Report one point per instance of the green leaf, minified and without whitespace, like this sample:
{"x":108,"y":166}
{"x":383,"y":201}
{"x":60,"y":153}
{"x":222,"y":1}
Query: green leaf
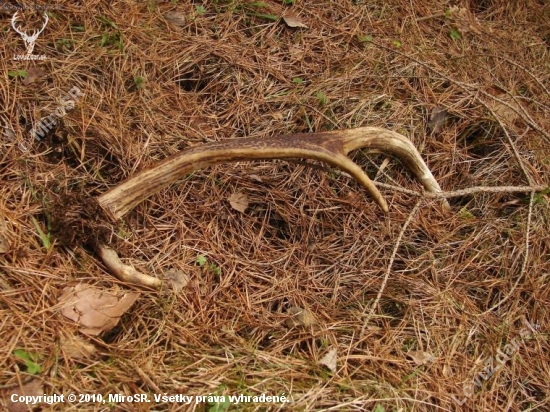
{"x":297,"y":80}
{"x":364,"y":39}
{"x":201,"y":260}
{"x":139,"y":82}
{"x":64,"y":43}
{"x":322,"y":98}
{"x":200,"y":10}
{"x":107,"y":22}
{"x":17,"y":73}
{"x":215,"y":269}
{"x":465,"y":213}
{"x":45,"y":238}
{"x":258,"y":4}
{"x":397,"y":43}
{"x":114,"y":39}
{"x":30,"y":361}
{"x":78,"y":28}
{"x":266,"y":16}
{"x":539,"y":197}
{"x":379,"y":408}
{"x":104,"y":38}
{"x":220,"y":406}
{"x":455,"y":34}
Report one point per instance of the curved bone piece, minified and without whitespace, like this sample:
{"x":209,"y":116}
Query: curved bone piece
{"x":124,"y":272}
{"x":330,"y":147}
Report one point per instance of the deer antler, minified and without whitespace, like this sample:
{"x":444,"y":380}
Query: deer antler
{"x":330,"y":147}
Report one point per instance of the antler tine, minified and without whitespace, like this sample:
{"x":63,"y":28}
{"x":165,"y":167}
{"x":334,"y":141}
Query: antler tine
{"x":330,"y":147}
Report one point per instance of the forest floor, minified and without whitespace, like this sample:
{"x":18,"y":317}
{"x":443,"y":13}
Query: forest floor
{"x":292,"y":282}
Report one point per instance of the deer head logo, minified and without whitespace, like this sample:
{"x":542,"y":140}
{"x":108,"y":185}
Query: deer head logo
{"x":29,"y":40}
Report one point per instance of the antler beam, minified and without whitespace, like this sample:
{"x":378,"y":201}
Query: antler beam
{"x":330,"y":147}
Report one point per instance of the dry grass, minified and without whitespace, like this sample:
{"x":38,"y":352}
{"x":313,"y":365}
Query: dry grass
{"x":459,"y":287}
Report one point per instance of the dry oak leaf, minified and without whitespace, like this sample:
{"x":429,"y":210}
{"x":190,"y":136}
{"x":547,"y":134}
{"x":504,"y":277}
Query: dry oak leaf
{"x":175,"y":17}
{"x":465,"y":20}
{"x":437,"y":119}
{"x":420,"y":358}
{"x":33,"y":74}
{"x":507,"y":108}
{"x":76,"y":348}
{"x":293,"y":21}
{"x":31,"y":388}
{"x":94,"y":309}
{"x":329,"y":360}
{"x":178,"y":279}
{"x":300,"y":316}
{"x":238,"y":201}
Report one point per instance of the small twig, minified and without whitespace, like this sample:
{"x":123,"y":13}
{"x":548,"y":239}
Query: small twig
{"x":390,"y":264}
{"x":466,"y":191}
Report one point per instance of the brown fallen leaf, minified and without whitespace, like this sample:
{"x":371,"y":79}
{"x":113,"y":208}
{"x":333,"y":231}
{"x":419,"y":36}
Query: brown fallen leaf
{"x":9,"y":133}
{"x":76,"y":348}
{"x":465,"y":20}
{"x":256,"y":178}
{"x":177,"y":278}
{"x":329,"y":360}
{"x":33,"y":74}
{"x":300,"y":317}
{"x":420,"y":358}
{"x":239,"y":201}
{"x":437,"y":119}
{"x":175,"y":17}
{"x":505,"y":108}
{"x":293,"y":21}
{"x":31,"y":388}
{"x":278,"y":116}
{"x":94,"y":309}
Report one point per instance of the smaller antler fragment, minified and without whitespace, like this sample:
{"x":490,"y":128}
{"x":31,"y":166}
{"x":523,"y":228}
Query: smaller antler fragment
{"x":124,"y":272}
